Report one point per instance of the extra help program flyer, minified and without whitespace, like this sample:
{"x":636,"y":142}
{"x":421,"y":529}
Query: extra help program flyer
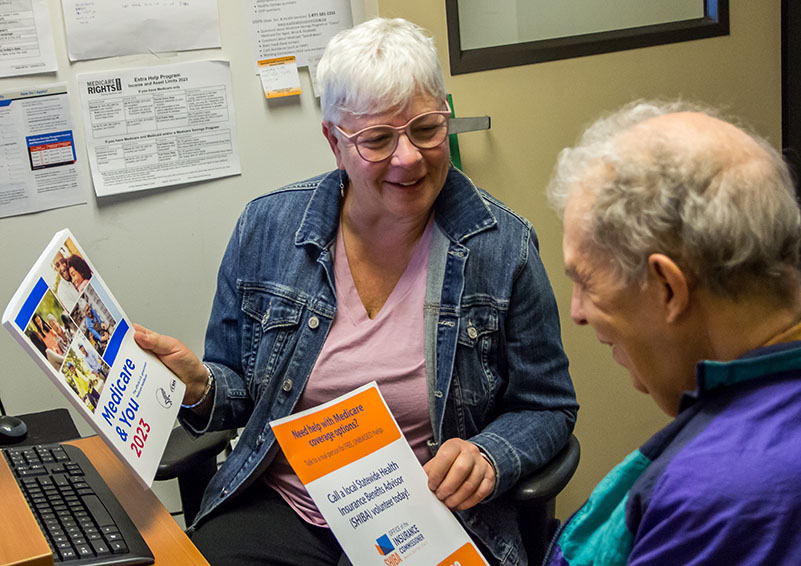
{"x":361,"y":473}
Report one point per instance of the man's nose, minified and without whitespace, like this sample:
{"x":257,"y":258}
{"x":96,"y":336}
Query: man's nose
{"x":577,"y":306}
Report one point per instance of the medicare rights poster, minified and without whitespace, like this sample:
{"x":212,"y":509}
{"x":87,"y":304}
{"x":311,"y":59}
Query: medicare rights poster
{"x":159,"y":126}
{"x":369,"y":486}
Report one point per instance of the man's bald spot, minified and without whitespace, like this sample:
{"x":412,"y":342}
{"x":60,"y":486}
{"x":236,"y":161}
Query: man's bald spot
{"x":696,"y":135}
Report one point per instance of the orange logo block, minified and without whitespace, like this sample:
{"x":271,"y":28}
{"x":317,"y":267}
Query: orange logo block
{"x":466,"y":555}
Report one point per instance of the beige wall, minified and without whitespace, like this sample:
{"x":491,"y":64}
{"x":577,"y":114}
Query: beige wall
{"x":538,"y":109}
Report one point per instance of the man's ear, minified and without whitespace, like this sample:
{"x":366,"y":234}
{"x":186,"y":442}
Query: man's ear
{"x":333,"y":141}
{"x":673,"y":283}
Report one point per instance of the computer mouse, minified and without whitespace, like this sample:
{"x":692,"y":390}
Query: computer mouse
{"x":12,"y":429}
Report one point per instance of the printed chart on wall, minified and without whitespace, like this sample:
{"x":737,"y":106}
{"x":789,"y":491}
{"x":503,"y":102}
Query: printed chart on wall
{"x":298,"y":28}
{"x":159,"y":126}
{"x":109,"y":28}
{"x":366,"y":481}
{"x":38,"y":167}
{"x":26,"y":42}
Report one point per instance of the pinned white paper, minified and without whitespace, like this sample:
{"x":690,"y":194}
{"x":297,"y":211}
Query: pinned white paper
{"x":314,"y":60}
{"x":110,"y":28}
{"x":296,"y":27}
{"x":27,"y":45}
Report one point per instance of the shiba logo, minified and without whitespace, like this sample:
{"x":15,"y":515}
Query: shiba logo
{"x":384,"y":545}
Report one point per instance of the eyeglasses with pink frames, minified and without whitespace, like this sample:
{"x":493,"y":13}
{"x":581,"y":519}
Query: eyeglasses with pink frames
{"x":377,"y":143}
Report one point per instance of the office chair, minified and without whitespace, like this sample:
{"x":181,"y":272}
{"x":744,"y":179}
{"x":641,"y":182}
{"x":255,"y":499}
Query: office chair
{"x":194,"y":461}
{"x":535,"y":496}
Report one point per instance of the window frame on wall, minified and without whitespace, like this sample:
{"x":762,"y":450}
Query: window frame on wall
{"x":715,"y":22}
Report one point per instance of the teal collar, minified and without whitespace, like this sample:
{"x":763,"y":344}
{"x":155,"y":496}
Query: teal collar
{"x":712,"y":374}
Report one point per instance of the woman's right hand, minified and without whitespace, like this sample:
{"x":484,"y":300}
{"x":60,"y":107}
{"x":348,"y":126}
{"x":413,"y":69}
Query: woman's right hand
{"x":178,"y":358}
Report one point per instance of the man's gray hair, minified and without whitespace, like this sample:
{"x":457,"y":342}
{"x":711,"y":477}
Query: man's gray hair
{"x":732,"y":224}
{"x":379,"y":65}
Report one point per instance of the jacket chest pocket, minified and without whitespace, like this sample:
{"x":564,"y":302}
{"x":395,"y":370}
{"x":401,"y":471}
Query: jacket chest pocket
{"x":476,"y":353}
{"x":270,"y":324}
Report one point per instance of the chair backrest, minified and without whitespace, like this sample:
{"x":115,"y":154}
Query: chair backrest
{"x":193,"y":461}
{"x":535,"y":496}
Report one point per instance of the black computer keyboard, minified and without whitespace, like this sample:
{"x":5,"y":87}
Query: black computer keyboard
{"x":80,"y":517}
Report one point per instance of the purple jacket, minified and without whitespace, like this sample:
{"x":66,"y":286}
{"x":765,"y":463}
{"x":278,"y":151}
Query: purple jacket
{"x":720,"y":485}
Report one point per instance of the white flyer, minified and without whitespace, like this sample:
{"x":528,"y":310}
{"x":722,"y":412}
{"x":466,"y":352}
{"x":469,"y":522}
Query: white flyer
{"x":109,"y":28}
{"x":65,"y":317}
{"x":314,"y":60}
{"x":26,"y":40}
{"x":38,"y":164}
{"x":294,"y":27}
{"x":364,"y":478}
{"x":159,"y":126}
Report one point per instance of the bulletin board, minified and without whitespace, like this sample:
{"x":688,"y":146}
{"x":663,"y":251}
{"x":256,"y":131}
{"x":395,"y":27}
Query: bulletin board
{"x":158,"y":249}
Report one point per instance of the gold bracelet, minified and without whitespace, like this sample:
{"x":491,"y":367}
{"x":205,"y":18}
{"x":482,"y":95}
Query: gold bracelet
{"x":209,"y":383}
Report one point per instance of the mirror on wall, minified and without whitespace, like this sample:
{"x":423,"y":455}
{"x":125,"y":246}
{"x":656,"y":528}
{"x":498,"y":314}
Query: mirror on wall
{"x":503,"y":33}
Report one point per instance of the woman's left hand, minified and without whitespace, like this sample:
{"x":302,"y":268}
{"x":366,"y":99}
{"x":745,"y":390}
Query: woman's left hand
{"x":459,"y":475}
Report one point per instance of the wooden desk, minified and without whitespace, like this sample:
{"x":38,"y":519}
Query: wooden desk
{"x":168,"y":543}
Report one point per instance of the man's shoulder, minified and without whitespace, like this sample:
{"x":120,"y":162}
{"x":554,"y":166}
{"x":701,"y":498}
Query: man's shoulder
{"x":742,"y":439}
{"x":729,"y":495}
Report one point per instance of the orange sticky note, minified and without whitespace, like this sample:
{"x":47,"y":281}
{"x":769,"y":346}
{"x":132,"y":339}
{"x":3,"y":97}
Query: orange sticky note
{"x":279,"y":77}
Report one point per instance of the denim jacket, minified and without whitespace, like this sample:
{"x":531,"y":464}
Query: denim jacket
{"x":497,"y":374}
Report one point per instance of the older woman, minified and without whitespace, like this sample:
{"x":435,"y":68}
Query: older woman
{"x":394,"y":268}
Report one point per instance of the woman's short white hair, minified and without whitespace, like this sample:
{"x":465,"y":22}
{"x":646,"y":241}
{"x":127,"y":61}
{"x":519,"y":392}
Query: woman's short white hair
{"x":379,"y":65}
{"x":733,"y":228}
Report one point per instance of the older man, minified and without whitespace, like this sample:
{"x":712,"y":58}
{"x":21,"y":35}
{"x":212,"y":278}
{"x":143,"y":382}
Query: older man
{"x":682,"y":236}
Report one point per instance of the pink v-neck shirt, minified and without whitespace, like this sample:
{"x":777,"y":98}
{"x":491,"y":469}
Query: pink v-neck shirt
{"x":387,"y":349}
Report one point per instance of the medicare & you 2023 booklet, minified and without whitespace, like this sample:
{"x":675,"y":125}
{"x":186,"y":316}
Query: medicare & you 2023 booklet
{"x":67,"y":320}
